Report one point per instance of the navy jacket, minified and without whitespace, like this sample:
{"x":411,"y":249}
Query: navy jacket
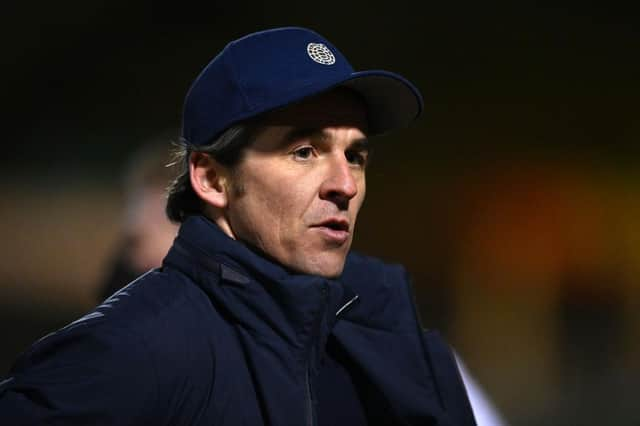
{"x":222,"y":336}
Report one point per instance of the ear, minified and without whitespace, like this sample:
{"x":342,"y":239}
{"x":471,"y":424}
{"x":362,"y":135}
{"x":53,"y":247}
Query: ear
{"x":208,"y":179}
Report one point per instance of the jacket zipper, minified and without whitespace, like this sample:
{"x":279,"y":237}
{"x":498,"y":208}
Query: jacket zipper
{"x":311,"y":418}
{"x":346,"y":305}
{"x":310,"y":415}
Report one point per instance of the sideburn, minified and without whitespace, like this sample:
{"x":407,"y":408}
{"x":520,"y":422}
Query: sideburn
{"x":236,"y":187}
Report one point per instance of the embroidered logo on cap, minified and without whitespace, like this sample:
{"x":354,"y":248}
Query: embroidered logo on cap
{"x":320,"y":54}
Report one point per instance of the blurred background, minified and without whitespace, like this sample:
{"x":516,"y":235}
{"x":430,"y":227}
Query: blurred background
{"x":514,"y":201}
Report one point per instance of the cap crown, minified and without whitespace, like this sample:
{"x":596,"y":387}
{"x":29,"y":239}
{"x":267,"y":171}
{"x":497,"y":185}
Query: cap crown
{"x":257,"y":73}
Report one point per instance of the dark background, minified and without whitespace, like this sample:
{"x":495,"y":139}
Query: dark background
{"x":514,"y":200}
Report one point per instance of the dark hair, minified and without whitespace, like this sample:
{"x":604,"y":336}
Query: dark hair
{"x":227,"y":149}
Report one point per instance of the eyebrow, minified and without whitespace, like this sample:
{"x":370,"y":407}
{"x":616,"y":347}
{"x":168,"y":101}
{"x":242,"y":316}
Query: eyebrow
{"x":320,"y":135}
{"x":298,"y":133}
{"x":361,"y":145}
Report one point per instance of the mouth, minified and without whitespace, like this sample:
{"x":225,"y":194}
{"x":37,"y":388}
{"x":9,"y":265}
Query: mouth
{"x":336,"y":224}
{"x":335,"y":230}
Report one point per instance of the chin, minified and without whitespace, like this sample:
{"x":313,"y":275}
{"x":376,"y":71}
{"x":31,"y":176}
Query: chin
{"x":331,"y":274}
{"x":326,"y":268}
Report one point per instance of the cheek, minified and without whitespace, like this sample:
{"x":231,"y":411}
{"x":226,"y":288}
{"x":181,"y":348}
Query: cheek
{"x":286,"y":209}
{"x":266,"y":209}
{"x":286,"y":197}
{"x":358,"y":200}
{"x":276,"y":208}
{"x":362,"y":191}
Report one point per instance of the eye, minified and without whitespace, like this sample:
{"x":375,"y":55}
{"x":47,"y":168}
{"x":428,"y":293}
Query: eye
{"x":303,"y":153}
{"x":358,"y":158}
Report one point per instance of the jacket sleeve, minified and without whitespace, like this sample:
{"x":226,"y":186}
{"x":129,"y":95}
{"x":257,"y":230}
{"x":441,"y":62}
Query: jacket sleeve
{"x":81,"y":375}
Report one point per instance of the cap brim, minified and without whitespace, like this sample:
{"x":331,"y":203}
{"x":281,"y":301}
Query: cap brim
{"x":392,"y":101}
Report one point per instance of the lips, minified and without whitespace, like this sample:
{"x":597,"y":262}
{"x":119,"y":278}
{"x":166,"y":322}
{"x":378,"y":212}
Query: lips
{"x":335,"y":230}
{"x":337,"y":224}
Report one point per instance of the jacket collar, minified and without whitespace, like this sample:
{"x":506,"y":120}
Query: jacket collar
{"x":258,"y":293}
{"x":382,"y":335}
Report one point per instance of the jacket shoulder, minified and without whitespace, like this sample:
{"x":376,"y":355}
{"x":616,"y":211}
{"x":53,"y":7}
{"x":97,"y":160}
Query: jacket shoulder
{"x":131,"y":355}
{"x":157,"y":306}
{"x":166,"y":311}
{"x":79,"y":375}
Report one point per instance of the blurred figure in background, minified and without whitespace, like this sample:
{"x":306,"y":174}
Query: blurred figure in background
{"x":146,"y":232}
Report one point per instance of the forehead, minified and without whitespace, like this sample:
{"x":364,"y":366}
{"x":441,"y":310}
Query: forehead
{"x":336,"y":108}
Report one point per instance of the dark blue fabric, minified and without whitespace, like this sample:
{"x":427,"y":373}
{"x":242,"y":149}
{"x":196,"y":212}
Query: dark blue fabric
{"x":222,"y":336}
{"x":270,"y":69}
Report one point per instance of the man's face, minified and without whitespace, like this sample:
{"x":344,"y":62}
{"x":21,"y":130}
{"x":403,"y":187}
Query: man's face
{"x":298,"y":189}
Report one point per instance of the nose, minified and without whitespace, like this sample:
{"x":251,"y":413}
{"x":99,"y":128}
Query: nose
{"x":340,"y":184}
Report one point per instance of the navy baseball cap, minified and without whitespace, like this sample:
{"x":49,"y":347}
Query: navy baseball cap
{"x":271,"y":69}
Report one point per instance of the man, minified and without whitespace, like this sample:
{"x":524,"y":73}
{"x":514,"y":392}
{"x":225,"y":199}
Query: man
{"x":259,"y":314}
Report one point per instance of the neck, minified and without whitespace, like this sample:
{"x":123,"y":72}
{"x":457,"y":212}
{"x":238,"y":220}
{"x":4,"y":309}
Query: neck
{"x":217,"y":217}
